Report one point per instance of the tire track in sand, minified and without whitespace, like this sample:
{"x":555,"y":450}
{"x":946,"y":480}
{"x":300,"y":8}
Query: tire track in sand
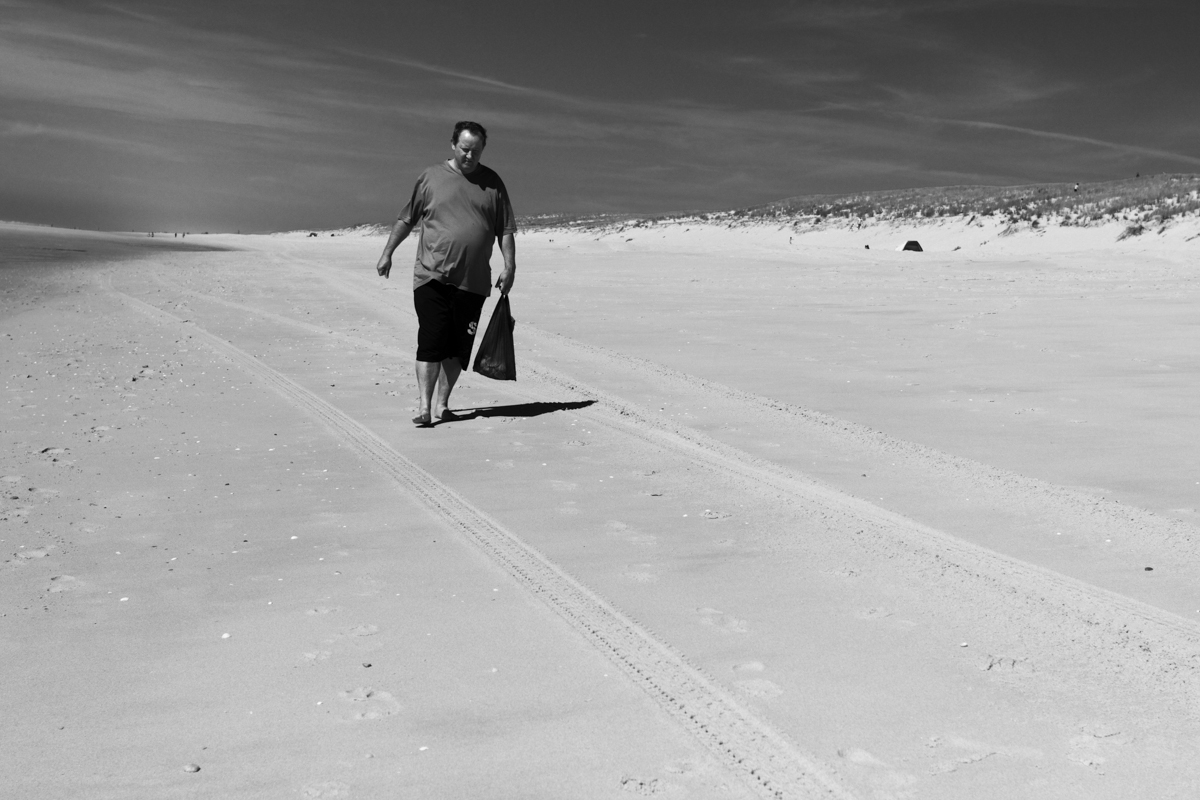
{"x":744,"y":744}
{"x":1102,"y":517}
{"x":1109,"y":632}
{"x":1105,"y":516}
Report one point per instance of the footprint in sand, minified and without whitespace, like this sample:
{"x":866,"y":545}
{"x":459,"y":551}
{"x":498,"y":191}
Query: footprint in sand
{"x":12,"y":479}
{"x":370,"y":586}
{"x":1003,"y":665}
{"x":722,"y":621}
{"x":759,"y":687}
{"x":858,"y":756}
{"x":1095,"y":745}
{"x":886,"y":780}
{"x":99,"y":433}
{"x":325,"y":790}
{"x":320,"y":611}
{"x":884,"y":616}
{"x":969,"y":752}
{"x":39,"y":552}
{"x":18,"y":511}
{"x":644,"y":787}
{"x":750,"y":666}
{"x":631,"y":535}
{"x":65,"y":583}
{"x":641,"y":573}
{"x":682,"y":767}
{"x":364,"y":630}
{"x":370,"y":704}
{"x":873,"y":613}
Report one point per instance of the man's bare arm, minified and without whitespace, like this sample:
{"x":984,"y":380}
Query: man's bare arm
{"x":399,"y":233}
{"x":508,"y":248}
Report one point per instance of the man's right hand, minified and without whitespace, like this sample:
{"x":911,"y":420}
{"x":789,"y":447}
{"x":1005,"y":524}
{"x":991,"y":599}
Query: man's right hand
{"x":399,"y":233}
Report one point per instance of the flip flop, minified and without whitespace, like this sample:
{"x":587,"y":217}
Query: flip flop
{"x":448,"y":416}
{"x":423,"y":421}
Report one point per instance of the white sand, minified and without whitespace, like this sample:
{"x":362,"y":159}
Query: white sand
{"x":758,"y":516}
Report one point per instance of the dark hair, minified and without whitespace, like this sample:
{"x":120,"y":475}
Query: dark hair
{"x":473,"y":128}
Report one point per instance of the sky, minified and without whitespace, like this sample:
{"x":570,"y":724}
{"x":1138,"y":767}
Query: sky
{"x":261,"y":115}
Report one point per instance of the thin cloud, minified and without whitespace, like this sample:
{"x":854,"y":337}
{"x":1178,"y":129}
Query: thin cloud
{"x":761,"y":68}
{"x":26,"y":130}
{"x":1068,"y":137}
{"x":478,"y":81}
{"x":161,"y":73}
{"x":154,"y":93}
{"x":885,"y":55}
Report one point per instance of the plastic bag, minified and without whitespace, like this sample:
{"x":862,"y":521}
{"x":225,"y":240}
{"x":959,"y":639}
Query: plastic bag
{"x":496,"y":357}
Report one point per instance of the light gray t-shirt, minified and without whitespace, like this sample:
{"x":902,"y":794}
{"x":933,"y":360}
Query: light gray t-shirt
{"x":460,"y":217}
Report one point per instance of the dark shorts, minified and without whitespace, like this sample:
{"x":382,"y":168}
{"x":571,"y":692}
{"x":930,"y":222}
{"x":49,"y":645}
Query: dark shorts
{"x":447,"y":318}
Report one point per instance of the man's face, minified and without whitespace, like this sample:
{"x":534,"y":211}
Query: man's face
{"x":467,"y":151}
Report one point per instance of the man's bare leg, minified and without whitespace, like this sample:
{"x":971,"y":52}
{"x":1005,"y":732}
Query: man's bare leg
{"x":427,"y":379}
{"x":451,"y":369}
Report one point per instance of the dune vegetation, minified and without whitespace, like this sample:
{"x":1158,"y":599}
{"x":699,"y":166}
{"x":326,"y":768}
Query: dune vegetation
{"x":1144,"y":203}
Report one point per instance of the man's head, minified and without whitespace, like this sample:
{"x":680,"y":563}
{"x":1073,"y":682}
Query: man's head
{"x":466,"y":145}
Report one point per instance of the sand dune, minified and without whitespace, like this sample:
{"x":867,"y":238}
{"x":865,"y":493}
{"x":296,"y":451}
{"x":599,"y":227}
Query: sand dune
{"x":767,"y":514}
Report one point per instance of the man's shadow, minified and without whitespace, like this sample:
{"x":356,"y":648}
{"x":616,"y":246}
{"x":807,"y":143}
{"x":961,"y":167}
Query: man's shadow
{"x":517,"y":410}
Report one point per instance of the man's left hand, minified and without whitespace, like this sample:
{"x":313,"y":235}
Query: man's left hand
{"x":505,"y":281}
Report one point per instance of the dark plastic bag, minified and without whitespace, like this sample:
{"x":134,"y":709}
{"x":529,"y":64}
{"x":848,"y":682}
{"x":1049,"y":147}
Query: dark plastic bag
{"x":496,"y":357}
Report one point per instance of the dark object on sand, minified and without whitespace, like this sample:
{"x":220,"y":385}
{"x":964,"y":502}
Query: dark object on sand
{"x":497,"y":357}
{"x":913,"y":245}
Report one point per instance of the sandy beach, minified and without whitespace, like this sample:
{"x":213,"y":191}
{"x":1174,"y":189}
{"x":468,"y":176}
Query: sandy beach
{"x":766,"y":514}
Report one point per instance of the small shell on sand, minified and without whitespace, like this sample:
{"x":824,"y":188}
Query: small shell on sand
{"x":191,"y":767}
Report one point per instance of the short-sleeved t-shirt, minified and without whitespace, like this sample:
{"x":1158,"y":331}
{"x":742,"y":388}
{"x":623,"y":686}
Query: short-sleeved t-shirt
{"x":460,"y":217}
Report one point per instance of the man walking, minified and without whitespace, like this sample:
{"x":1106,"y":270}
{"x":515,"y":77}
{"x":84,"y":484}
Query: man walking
{"x":461,"y":208}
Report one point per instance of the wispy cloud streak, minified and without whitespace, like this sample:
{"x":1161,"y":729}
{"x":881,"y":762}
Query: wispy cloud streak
{"x":1068,"y":137}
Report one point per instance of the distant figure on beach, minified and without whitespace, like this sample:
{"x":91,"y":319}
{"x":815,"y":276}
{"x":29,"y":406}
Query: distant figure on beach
{"x":1077,"y":187}
{"x":461,"y":208}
